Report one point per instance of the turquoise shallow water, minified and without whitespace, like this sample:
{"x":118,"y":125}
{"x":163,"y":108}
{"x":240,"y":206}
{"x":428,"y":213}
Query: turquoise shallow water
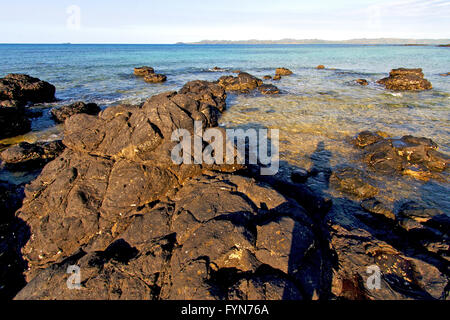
{"x":316,"y":107}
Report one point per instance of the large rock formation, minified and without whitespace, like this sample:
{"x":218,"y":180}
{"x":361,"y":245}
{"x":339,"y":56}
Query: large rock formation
{"x":62,"y":113}
{"x":16,"y":90}
{"x":406,"y":80}
{"x":23,"y":88}
{"x":142,"y":227}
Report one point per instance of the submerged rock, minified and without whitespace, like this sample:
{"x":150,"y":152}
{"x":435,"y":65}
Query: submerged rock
{"x":353,"y":181}
{"x":406,"y":80}
{"x":277,"y":77}
{"x":362,"y":82}
{"x":283,"y":72}
{"x":417,"y":157}
{"x":268,"y":89}
{"x":61,"y":114}
{"x":26,"y":155}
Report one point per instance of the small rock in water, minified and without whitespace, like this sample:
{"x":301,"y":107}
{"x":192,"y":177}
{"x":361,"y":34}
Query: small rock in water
{"x":283,"y":72}
{"x":376,"y":207}
{"x":268,"y":89}
{"x":243,"y":83}
{"x":320,"y":67}
{"x":143,"y":71}
{"x":362,"y":82}
{"x":299,"y":175}
{"x":155,"y":78}
{"x":353,"y":181}
{"x":445,"y":74}
{"x":403,"y":79}
{"x":277,"y":77}
{"x":267,"y":77}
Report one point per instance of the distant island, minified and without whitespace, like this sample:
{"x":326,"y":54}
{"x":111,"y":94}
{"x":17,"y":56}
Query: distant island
{"x":380,"y":41}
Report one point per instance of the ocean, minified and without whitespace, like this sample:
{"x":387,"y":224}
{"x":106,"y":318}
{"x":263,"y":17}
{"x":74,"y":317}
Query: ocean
{"x":317,"y":112}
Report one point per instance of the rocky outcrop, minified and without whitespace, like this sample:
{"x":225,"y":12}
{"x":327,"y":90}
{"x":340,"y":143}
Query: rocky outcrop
{"x":16,"y":90}
{"x":268,"y":89}
{"x":245,"y":83}
{"x":30,"y":155}
{"x":406,"y":80}
{"x":155,"y":78}
{"x":23,"y":88}
{"x":62,"y":113}
{"x":417,"y":157}
{"x":283,"y":72}
{"x":143,"y":71}
{"x":149,"y":75}
{"x":142,"y":227}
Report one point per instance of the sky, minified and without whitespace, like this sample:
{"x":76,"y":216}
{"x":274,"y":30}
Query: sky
{"x":170,"y":21}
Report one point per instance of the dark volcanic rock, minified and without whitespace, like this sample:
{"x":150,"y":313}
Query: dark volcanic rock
{"x":353,"y":181}
{"x":155,"y":78}
{"x":268,"y":89}
{"x":13,"y":121}
{"x":376,"y":207}
{"x":24,"y":88}
{"x":406,"y":80}
{"x":244,"y":82}
{"x":28,"y":155}
{"x":16,"y":90}
{"x":142,"y":227}
{"x":283,"y":72}
{"x":362,"y":82}
{"x":277,"y":77}
{"x":143,"y":71}
{"x":62,"y":113}
{"x":417,"y":157}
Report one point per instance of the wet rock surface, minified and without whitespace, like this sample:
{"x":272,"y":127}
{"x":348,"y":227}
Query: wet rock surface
{"x":414,"y":156}
{"x":403,"y":79}
{"x":62,"y":113}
